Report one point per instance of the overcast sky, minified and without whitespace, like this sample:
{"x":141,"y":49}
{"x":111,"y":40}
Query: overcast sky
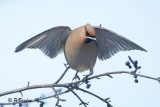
{"x":137,"y":20}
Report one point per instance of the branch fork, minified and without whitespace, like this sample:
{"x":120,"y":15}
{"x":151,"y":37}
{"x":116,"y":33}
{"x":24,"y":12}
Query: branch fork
{"x":75,"y":85}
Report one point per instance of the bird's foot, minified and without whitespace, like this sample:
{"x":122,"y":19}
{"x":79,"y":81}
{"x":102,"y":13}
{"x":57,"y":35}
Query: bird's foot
{"x":66,"y":65}
{"x":85,"y":79}
{"x":76,"y":76}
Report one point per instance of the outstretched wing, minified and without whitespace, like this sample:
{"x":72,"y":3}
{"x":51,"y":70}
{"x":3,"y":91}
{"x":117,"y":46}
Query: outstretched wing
{"x":109,"y":43}
{"x":51,"y":42}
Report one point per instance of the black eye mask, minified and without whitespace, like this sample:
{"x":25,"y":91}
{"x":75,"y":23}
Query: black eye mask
{"x":87,"y":40}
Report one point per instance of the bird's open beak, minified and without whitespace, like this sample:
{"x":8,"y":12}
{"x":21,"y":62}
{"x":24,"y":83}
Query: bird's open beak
{"x":92,"y":38}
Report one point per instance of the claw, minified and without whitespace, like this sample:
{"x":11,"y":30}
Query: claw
{"x":86,"y":76}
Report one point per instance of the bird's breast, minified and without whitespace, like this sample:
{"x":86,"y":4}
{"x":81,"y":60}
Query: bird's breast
{"x":80,"y":56}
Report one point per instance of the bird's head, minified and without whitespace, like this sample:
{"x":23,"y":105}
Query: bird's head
{"x":89,"y":34}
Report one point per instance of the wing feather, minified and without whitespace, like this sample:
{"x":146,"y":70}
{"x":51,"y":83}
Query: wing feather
{"x":51,"y":42}
{"x":109,"y":43}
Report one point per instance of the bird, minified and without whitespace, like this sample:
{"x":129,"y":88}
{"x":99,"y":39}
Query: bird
{"x":81,"y":46}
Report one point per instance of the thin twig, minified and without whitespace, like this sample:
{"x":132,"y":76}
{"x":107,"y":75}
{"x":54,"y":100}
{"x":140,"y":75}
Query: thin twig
{"x":69,"y":84}
{"x":82,"y":102}
{"x":62,"y":75}
{"x":21,"y":93}
{"x":58,"y":99}
{"x":123,"y":72}
{"x":40,"y":99}
{"x":73,"y":83}
{"x":28,"y":84}
{"x":95,"y":96}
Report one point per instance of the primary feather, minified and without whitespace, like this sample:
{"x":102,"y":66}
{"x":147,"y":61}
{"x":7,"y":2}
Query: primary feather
{"x":51,"y":42}
{"x":109,"y":43}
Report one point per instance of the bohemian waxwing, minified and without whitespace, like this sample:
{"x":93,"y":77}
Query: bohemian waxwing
{"x":81,"y":46}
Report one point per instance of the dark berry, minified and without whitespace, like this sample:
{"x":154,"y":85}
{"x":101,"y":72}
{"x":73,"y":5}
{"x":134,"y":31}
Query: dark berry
{"x":42,"y":103}
{"x":108,"y":105}
{"x":127,"y":63}
{"x":20,"y":104}
{"x":135,"y":63}
{"x":88,"y":86}
{"x":136,"y":80}
{"x":130,"y":66}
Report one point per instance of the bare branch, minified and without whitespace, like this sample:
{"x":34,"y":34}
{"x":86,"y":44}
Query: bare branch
{"x":62,"y":75}
{"x":73,"y":85}
{"x":104,"y":100}
{"x":21,"y":93}
{"x":82,"y":102}
{"x":58,"y":99}
{"x":34,"y":100}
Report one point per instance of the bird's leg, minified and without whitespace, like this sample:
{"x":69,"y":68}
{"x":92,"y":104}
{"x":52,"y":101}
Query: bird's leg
{"x":76,"y":76}
{"x":90,"y":73}
{"x":86,"y":76}
{"x":66,"y":65}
